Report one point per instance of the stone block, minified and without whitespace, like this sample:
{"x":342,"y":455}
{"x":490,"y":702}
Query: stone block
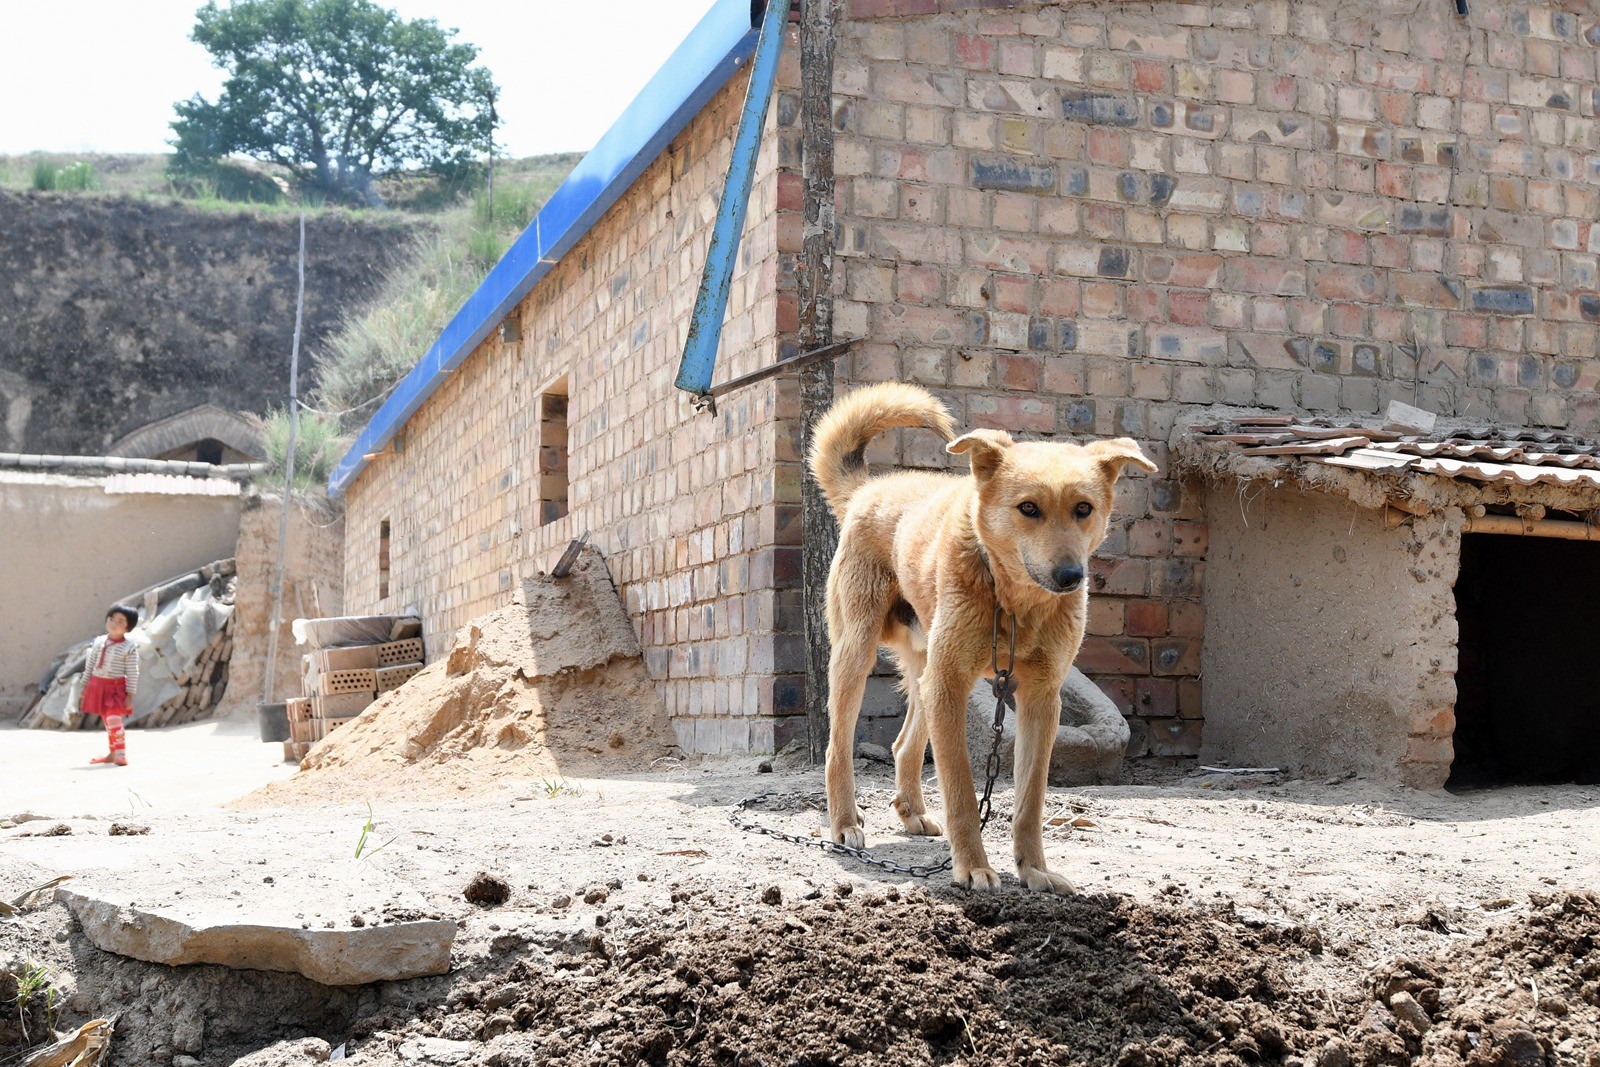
{"x":1089,"y":744}
{"x":203,"y":929}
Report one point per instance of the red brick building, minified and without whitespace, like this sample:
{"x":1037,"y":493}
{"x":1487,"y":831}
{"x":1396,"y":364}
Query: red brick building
{"x":1068,"y":219}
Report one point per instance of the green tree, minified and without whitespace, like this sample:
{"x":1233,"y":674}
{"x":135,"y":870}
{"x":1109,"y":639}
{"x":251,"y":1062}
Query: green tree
{"x":337,"y":91}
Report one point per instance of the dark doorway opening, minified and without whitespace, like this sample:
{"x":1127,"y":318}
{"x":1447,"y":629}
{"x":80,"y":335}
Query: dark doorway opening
{"x":1527,"y":677}
{"x":206,"y":450}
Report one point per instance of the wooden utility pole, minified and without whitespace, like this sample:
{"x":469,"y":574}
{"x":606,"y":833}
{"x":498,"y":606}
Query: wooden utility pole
{"x":814,"y":274}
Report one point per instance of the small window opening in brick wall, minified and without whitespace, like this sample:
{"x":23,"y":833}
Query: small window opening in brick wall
{"x":1527,"y":709}
{"x":383,"y":559}
{"x":553,"y":487}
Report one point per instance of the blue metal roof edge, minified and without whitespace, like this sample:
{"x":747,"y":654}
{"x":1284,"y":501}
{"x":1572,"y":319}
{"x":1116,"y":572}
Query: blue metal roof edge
{"x":700,"y":66}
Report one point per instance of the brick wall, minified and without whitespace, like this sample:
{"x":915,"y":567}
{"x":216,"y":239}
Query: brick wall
{"x":1082,"y":219}
{"x":692,"y":512}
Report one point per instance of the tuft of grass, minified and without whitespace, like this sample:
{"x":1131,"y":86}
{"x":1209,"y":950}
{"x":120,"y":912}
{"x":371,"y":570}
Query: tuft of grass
{"x":361,"y":842}
{"x":559,"y":787}
{"x":317,"y":447}
{"x":32,"y":983}
{"x":76,"y":177}
{"x":44,"y":175}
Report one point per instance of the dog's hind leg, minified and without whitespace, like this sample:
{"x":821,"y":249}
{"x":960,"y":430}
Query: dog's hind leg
{"x":1038,"y":716}
{"x":850,"y":663}
{"x":910,"y":748}
{"x":854,"y":608}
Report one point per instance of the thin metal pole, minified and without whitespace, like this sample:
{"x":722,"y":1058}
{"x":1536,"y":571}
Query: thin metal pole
{"x":819,"y":534}
{"x":288,"y":477}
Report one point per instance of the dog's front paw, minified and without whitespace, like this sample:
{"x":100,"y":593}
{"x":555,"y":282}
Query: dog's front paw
{"x":850,"y":836}
{"x":1042,"y":881}
{"x":977,"y":879}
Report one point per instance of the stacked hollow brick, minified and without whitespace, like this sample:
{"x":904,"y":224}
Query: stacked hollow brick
{"x":1068,"y":220}
{"x":339,"y":684}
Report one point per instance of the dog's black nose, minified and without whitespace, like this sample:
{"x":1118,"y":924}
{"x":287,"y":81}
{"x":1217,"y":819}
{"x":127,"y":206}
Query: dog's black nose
{"x":1068,"y":577}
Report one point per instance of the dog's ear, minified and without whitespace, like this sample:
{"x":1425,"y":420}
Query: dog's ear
{"x":987,"y":447}
{"x":1117,"y":453}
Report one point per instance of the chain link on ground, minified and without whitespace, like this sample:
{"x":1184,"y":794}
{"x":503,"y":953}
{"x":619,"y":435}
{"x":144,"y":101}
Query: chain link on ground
{"x":1005,"y":689}
{"x":818,"y":802}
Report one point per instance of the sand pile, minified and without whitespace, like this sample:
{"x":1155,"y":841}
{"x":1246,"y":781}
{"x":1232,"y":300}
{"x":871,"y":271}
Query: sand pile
{"x":550,"y":685}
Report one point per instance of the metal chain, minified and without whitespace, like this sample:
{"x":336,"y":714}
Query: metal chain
{"x":915,"y":870}
{"x":1005,"y":690}
{"x":1005,"y":694}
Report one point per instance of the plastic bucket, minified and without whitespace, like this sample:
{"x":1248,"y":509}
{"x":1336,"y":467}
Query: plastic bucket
{"x":274,"y":721}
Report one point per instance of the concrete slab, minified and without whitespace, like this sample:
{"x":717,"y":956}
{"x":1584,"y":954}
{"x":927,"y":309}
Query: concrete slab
{"x":199,"y":931}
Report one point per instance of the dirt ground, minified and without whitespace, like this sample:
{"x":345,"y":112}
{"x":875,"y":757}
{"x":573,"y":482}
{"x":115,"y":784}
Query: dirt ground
{"x":1281,"y":922}
{"x":179,"y":768}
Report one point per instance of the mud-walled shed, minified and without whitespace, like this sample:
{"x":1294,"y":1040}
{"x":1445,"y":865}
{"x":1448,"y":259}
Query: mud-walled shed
{"x":1410,"y":607}
{"x":1071,"y":219}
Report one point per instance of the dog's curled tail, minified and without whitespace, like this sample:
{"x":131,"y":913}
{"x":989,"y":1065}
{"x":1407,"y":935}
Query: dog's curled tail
{"x":838,"y":450}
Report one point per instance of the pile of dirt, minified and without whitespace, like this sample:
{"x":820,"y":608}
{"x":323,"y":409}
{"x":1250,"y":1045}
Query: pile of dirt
{"x":941,"y":977}
{"x":550,"y":685}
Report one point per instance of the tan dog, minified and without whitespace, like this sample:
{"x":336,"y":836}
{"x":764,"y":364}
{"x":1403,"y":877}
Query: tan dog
{"x":923,"y":559}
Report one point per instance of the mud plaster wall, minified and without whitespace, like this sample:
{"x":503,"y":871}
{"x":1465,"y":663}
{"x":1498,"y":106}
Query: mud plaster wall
{"x":696,"y":515}
{"x":68,"y":549}
{"x":1330,"y":642}
{"x":313,"y":586}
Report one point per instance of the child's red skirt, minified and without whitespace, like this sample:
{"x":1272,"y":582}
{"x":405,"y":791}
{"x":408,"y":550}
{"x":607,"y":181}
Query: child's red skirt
{"x":106,"y":696}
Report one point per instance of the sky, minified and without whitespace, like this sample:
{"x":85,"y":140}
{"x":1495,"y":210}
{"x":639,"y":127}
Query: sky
{"x":102,"y":75}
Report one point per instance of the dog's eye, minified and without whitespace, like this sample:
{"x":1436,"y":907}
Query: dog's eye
{"x":1029,"y":508}
{"x":1083,"y":510}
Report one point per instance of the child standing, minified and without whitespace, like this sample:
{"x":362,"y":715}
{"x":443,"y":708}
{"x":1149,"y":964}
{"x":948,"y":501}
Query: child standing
{"x":113,"y":669}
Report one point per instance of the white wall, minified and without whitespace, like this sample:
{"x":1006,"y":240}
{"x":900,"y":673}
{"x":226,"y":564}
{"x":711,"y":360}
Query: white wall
{"x":69,"y":549}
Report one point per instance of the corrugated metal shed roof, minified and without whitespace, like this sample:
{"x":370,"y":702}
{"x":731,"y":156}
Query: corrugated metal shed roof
{"x":170,"y":485}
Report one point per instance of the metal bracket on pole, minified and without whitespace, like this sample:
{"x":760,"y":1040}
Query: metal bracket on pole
{"x":711,"y":304}
{"x":804,"y":359}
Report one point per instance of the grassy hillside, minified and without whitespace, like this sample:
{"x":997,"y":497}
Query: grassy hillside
{"x":364,"y":362}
